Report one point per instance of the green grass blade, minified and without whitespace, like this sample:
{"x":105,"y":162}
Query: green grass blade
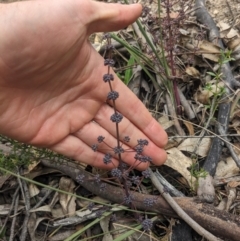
{"x":78,"y":233}
{"x":129,"y":72}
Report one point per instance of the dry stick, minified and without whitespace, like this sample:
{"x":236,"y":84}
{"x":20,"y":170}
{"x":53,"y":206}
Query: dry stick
{"x":11,"y":208}
{"x":216,"y":221}
{"x":26,"y":197}
{"x":187,"y":108}
{"x":172,"y":113}
{"x":42,"y":200}
{"x":201,"y":136}
{"x":224,"y":108}
{"x":171,"y":189}
{"x":183,"y":215}
{"x":11,"y":238}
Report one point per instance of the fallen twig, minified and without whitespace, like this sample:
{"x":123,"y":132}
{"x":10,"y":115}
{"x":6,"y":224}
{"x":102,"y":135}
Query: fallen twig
{"x":215,"y":151}
{"x":26,"y":196}
{"x":171,"y":189}
{"x":10,"y":210}
{"x":183,"y":215}
{"x":12,"y":233}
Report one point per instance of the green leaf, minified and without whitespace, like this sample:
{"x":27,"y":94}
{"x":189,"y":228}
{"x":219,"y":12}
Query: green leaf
{"x":129,"y":72}
{"x":127,"y":234}
{"x":212,"y":74}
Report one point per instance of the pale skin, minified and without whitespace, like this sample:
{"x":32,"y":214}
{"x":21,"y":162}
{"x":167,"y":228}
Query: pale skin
{"x":52,"y":92}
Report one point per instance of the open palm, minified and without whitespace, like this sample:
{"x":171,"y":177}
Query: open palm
{"x":52,"y":93}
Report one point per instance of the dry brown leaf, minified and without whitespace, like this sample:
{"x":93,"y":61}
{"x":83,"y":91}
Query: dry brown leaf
{"x":33,"y":165}
{"x":45,"y":208}
{"x":165,"y":122}
{"x":72,"y":206}
{"x":232,"y":193}
{"x":61,"y":235}
{"x":58,"y":212}
{"x":104,"y":223}
{"x":5,"y":208}
{"x":236,"y":147}
{"x":3,"y":179}
{"x":233,"y":44}
{"x":67,"y":201}
{"x":189,"y":127}
{"x":233,"y":184}
{"x":33,"y":224}
{"x":226,"y":31}
{"x":209,"y":50}
{"x":33,"y":190}
{"x":203,"y":95}
{"x":179,"y":162}
{"x":190,"y":143}
{"x":226,"y":168}
{"x":192,"y":72}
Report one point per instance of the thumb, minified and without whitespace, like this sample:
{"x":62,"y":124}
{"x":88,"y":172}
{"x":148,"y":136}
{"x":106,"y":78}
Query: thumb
{"x":112,"y":17}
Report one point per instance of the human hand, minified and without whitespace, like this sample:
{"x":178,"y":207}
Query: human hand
{"x":51,"y":80}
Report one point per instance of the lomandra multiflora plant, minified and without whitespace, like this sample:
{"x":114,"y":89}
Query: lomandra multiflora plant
{"x":121,"y":173}
{"x":165,"y":31}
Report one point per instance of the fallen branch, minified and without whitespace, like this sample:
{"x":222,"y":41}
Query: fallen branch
{"x":218,"y":222}
{"x":224,"y":109}
{"x":183,"y":215}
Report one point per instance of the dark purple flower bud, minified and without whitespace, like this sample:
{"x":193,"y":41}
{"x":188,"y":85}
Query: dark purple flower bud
{"x":107,"y":158}
{"x":80,"y":178}
{"x":147,"y":159}
{"x":116,"y":172}
{"x":142,"y":142}
{"x":129,"y":184}
{"x":91,"y":206}
{"x":139,"y":149}
{"x":109,"y":47}
{"x":147,"y":224}
{"x":112,"y":95}
{"x":149,"y":202}
{"x":146,"y":173}
{"x":125,"y":165}
{"x":108,"y":77}
{"x":97,"y":178}
{"x":135,"y":180}
{"x":113,"y":218}
{"x":100,"y":139}
{"x":137,"y":157}
{"x":99,"y":213}
{"x":94,"y":147}
{"x":142,"y":158}
{"x":116,"y":117}
{"x":106,"y":35}
{"x":118,"y":150}
{"x":109,"y":62}
{"x":126,"y":139}
{"x":102,"y":186}
{"x":128,"y":199}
